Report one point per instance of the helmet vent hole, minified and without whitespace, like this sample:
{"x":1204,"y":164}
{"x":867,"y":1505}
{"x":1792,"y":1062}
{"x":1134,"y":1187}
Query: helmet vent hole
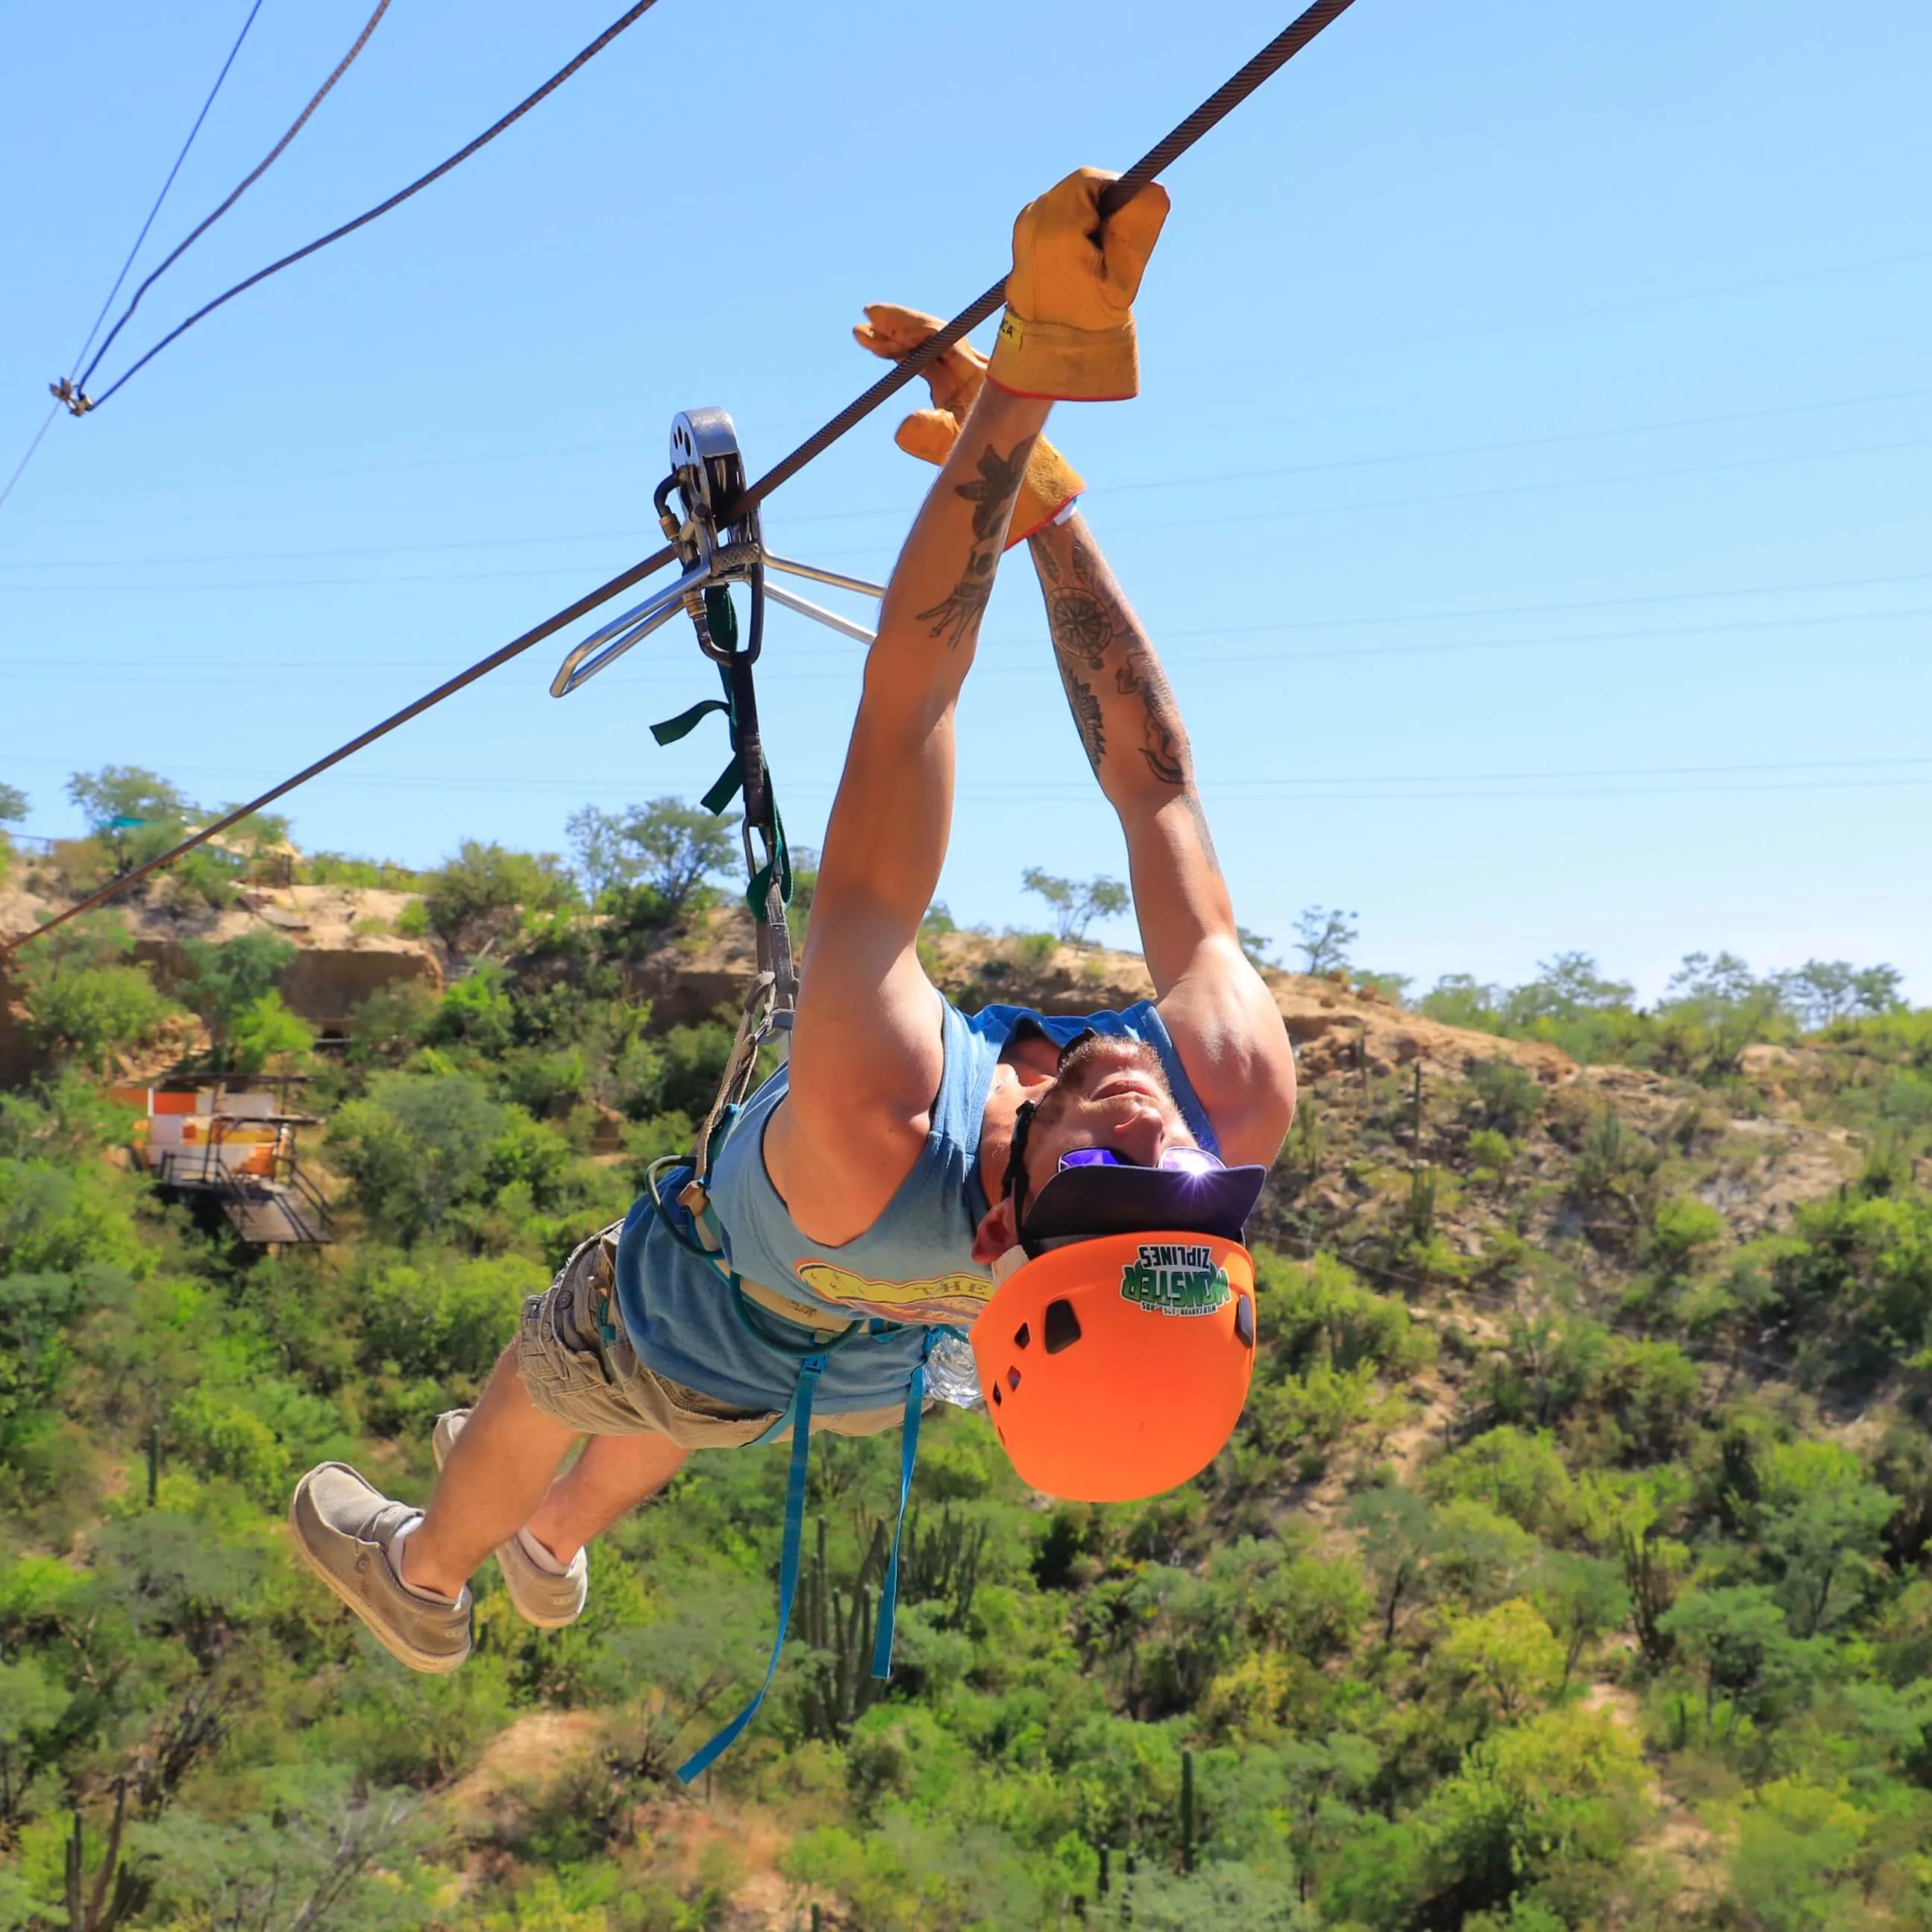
{"x":1062,"y":1326}
{"x":1023,"y":1337}
{"x":998,"y":1398}
{"x":1244,"y":1321}
{"x":1013,"y":1380}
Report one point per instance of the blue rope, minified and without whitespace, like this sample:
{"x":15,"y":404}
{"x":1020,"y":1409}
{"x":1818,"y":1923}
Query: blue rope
{"x":799,"y":1410}
{"x":889,"y":1590}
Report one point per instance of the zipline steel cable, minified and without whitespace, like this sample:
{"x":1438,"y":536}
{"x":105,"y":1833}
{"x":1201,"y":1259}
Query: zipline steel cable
{"x":19,"y":468}
{"x":247,"y":181}
{"x":1273,"y":57}
{"x":81,"y":404}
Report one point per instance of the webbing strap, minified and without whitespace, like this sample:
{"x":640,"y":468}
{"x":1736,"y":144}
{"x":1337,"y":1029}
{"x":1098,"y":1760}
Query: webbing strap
{"x":889,"y":1590}
{"x":800,"y":1408}
{"x":685,"y":722}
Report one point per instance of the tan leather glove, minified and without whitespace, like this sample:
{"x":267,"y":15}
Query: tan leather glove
{"x":1052,"y":483}
{"x":1069,"y":331}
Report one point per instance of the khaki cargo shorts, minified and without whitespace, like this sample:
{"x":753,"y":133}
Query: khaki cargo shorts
{"x":579,"y":1365}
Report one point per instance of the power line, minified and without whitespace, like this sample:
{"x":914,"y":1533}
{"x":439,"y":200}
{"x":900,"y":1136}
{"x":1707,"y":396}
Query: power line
{"x":1222,"y":518}
{"x":492,"y":781}
{"x":1271,"y":628}
{"x":847,"y":661}
{"x":1219,"y":517}
{"x":20,"y":469}
{"x":166,"y":185}
{"x":382,"y":208}
{"x":247,"y":181}
{"x":228,"y":479}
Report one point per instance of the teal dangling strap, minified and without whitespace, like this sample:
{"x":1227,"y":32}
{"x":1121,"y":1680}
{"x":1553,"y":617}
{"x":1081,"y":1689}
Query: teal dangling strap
{"x":889,"y":1590}
{"x":799,"y":1409}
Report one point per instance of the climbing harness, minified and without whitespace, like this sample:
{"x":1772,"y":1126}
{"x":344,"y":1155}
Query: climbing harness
{"x":717,"y":546}
{"x":716,"y":550}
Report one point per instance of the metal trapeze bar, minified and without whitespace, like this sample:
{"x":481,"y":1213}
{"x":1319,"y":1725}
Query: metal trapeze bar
{"x":830,"y":619}
{"x":837,"y":579}
{"x":603,"y":647}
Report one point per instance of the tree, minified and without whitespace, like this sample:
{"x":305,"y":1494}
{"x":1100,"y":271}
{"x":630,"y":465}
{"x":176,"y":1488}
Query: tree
{"x":86,"y":1001}
{"x":603,"y":857}
{"x":671,"y":847}
{"x":224,"y":982}
{"x":1566,"y":1791}
{"x":1583,"y":1598}
{"x":1324,"y":934}
{"x":264,"y":1031}
{"x":1740,"y":1638}
{"x":1823,"y":991}
{"x":416,"y":1146}
{"x":1510,"y":1651}
{"x":1255,"y":945}
{"x":1565,"y":987}
{"x":133,"y":812}
{"x":1461,"y":1000}
{"x":474,"y":900}
{"x":1398,"y":1535}
{"x":12,"y":805}
{"x":1875,"y":989}
{"x":1820,"y":1519}
{"x":1077,"y":904}
{"x":1721,"y":1006}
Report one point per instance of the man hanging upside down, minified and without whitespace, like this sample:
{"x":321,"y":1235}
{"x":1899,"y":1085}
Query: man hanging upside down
{"x":911,"y":1158}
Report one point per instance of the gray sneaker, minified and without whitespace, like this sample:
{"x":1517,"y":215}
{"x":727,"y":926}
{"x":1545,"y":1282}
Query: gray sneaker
{"x":548,"y":1600}
{"x":344,"y":1527}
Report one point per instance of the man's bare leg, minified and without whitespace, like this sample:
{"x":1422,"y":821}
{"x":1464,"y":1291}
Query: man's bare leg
{"x":499,"y":1470}
{"x":613,"y":1475}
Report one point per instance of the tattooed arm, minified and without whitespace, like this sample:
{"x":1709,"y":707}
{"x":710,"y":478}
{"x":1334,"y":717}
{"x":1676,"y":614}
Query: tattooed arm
{"x":867,"y":1050}
{"x":1220,"y":1014}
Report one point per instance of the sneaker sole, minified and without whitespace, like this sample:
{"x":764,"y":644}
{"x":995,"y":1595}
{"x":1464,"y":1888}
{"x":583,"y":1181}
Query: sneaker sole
{"x":438,"y":1666}
{"x":509,"y":1557}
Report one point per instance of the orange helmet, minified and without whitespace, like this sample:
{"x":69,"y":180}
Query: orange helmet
{"x":1116,"y":1367}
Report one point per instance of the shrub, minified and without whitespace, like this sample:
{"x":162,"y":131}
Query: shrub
{"x":1517,"y":1474}
{"x":416,"y":1146}
{"x":1320,"y":1311}
{"x":85,"y":1003}
{"x":475,"y":899}
{"x":1508,"y":1094}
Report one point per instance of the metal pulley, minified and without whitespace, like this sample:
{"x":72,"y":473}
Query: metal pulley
{"x":714,"y":550}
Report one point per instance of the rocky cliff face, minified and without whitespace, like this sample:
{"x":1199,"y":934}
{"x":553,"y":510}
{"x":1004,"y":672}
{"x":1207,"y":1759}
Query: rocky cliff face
{"x":347,"y":947}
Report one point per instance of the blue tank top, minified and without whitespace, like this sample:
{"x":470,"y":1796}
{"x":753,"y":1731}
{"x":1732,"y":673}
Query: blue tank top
{"x":913,"y":1268}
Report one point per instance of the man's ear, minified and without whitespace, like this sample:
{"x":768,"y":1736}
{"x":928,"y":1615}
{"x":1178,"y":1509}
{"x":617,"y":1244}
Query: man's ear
{"x":997,"y":1233}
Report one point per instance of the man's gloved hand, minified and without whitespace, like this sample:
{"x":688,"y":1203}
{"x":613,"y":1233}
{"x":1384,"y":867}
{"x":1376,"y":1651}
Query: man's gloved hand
{"x":1052,"y":483}
{"x":1068,"y":330}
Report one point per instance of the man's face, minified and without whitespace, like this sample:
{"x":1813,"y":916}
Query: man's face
{"x":1110,"y":1093}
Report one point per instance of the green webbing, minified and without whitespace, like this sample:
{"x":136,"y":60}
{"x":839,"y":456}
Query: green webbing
{"x":757,"y":894}
{"x":685,"y":722}
{"x":721,"y":620}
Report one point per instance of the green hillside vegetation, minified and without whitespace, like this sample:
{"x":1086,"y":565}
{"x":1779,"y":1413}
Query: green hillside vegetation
{"x":1568,"y":1569}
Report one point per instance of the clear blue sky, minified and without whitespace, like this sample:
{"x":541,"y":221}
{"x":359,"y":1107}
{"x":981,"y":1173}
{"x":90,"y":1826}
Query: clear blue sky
{"x":1528,"y":491}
